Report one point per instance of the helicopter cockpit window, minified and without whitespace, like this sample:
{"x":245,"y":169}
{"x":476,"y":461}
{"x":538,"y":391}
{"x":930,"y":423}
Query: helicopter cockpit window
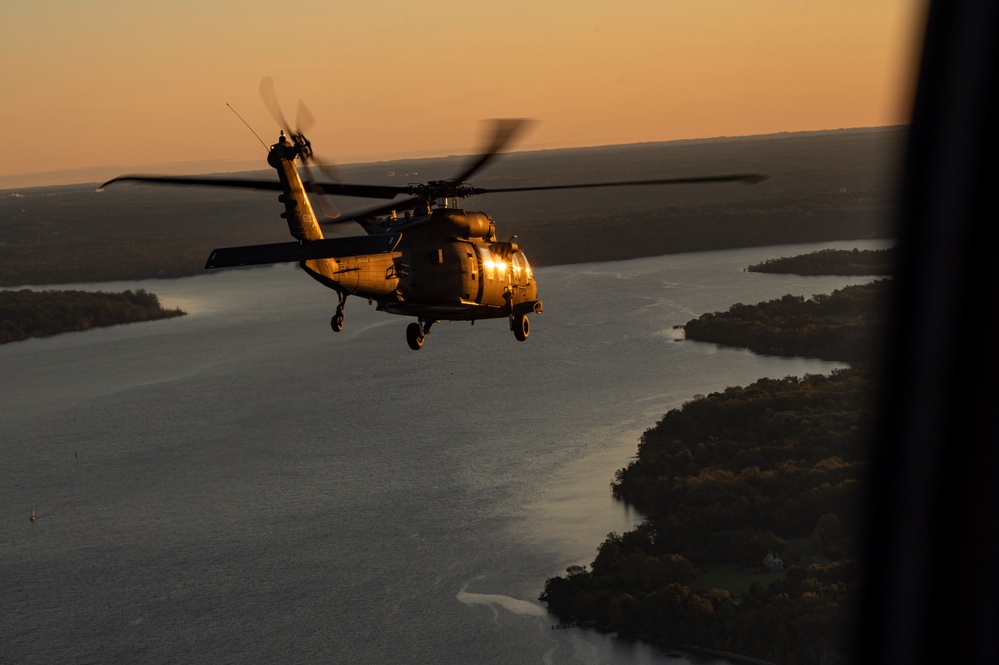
{"x":493,"y":265}
{"x":527,"y":266}
{"x":518,"y":268}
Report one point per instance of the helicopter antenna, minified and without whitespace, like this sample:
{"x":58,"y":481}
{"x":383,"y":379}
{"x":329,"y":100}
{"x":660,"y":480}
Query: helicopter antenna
{"x":247,"y":126}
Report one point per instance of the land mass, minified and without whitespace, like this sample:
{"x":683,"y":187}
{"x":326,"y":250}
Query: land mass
{"x":832,"y":262}
{"x":27,"y":313}
{"x":751,"y":497}
{"x":844,"y":325}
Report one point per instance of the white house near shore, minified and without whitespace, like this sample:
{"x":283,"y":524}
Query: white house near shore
{"x":772,"y":561}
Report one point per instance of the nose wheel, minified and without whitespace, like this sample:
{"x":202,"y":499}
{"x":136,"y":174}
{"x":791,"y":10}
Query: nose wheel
{"x":521,"y":326}
{"x":416,"y":333}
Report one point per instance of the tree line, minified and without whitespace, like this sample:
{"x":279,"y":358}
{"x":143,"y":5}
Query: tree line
{"x":27,"y":313}
{"x":832,"y":262}
{"x":725,"y":479}
{"x":844,"y":325}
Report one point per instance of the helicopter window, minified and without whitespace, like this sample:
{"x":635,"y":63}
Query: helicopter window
{"x":518,"y":271}
{"x":527,"y":266}
{"x":488,"y":263}
{"x":493,"y":265}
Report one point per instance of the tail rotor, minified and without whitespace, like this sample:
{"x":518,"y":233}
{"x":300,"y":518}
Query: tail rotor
{"x":304,"y":121}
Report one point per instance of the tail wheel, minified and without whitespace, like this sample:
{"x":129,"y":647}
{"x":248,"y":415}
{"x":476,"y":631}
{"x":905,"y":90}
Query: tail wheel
{"x":336,"y":323}
{"x":521,"y":327}
{"x":414,"y":335}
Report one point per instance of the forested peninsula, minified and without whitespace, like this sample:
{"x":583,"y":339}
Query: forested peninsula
{"x":844,"y":325}
{"x":832,"y":262}
{"x":752,"y":498}
{"x":26,"y":313}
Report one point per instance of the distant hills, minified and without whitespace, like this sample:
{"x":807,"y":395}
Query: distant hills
{"x":99,"y":174}
{"x":828,"y":185}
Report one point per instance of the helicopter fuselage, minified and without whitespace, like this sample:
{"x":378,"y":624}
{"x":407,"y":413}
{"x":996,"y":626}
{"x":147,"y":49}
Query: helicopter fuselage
{"x":443,"y":264}
{"x":447,"y":267}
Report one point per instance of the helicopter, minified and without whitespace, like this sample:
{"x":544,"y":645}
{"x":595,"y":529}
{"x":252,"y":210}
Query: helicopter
{"x":422,"y":256}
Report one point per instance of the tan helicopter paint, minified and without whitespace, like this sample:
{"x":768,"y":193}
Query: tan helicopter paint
{"x":368,"y":275}
{"x":452,"y":270}
{"x":371,"y":276}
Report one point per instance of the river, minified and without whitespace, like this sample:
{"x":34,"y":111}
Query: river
{"x":243,"y":485}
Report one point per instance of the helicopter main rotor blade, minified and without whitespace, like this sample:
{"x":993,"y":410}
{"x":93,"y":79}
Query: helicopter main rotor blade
{"x":749,"y":179}
{"x":504,"y":131}
{"x":371,"y":213}
{"x":407,"y":204}
{"x":196,"y":180}
{"x":455,"y":188}
{"x":364,"y":191}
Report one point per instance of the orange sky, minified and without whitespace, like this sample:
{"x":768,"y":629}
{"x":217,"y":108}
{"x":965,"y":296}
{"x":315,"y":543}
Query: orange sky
{"x":119,"y":84}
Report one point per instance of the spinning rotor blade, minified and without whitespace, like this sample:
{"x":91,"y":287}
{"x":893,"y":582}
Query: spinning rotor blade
{"x":749,"y":179}
{"x":371,"y":213}
{"x":304,"y":119}
{"x":270,"y":100}
{"x":406,"y":204}
{"x":196,"y":180}
{"x":365,"y":191}
{"x":504,"y":131}
{"x":326,"y":205}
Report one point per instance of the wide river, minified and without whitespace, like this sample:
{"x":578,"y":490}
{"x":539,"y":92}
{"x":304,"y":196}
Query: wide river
{"x":242,"y":485}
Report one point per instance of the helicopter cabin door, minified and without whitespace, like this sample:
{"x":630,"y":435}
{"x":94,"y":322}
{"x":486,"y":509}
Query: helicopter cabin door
{"x":443,"y":273}
{"x":471,"y":279}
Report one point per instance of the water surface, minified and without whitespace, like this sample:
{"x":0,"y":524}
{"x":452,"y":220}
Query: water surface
{"x":243,"y":485}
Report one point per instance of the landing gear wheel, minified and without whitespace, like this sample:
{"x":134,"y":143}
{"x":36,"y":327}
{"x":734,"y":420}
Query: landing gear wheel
{"x":336,"y":323}
{"x":414,"y":335}
{"x":521,"y":327}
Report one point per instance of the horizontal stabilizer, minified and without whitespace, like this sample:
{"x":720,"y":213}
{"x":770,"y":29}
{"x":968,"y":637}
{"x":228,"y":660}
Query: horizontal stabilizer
{"x":294,"y":252}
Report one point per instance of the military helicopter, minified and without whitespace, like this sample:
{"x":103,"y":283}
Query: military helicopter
{"x":434,"y":261}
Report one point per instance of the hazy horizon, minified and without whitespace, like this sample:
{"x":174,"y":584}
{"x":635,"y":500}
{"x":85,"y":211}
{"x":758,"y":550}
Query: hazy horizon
{"x":98,"y":174}
{"x":110,"y":83}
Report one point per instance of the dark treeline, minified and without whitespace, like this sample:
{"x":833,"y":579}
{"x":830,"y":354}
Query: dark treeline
{"x":771,"y":458}
{"x":725,"y":479}
{"x":832,"y":262}
{"x":777,"y":466}
{"x":839,"y":326}
{"x":28,"y":313}
{"x":674,"y":230}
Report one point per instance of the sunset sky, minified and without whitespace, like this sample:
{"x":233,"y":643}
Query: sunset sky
{"x":120,"y":84}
